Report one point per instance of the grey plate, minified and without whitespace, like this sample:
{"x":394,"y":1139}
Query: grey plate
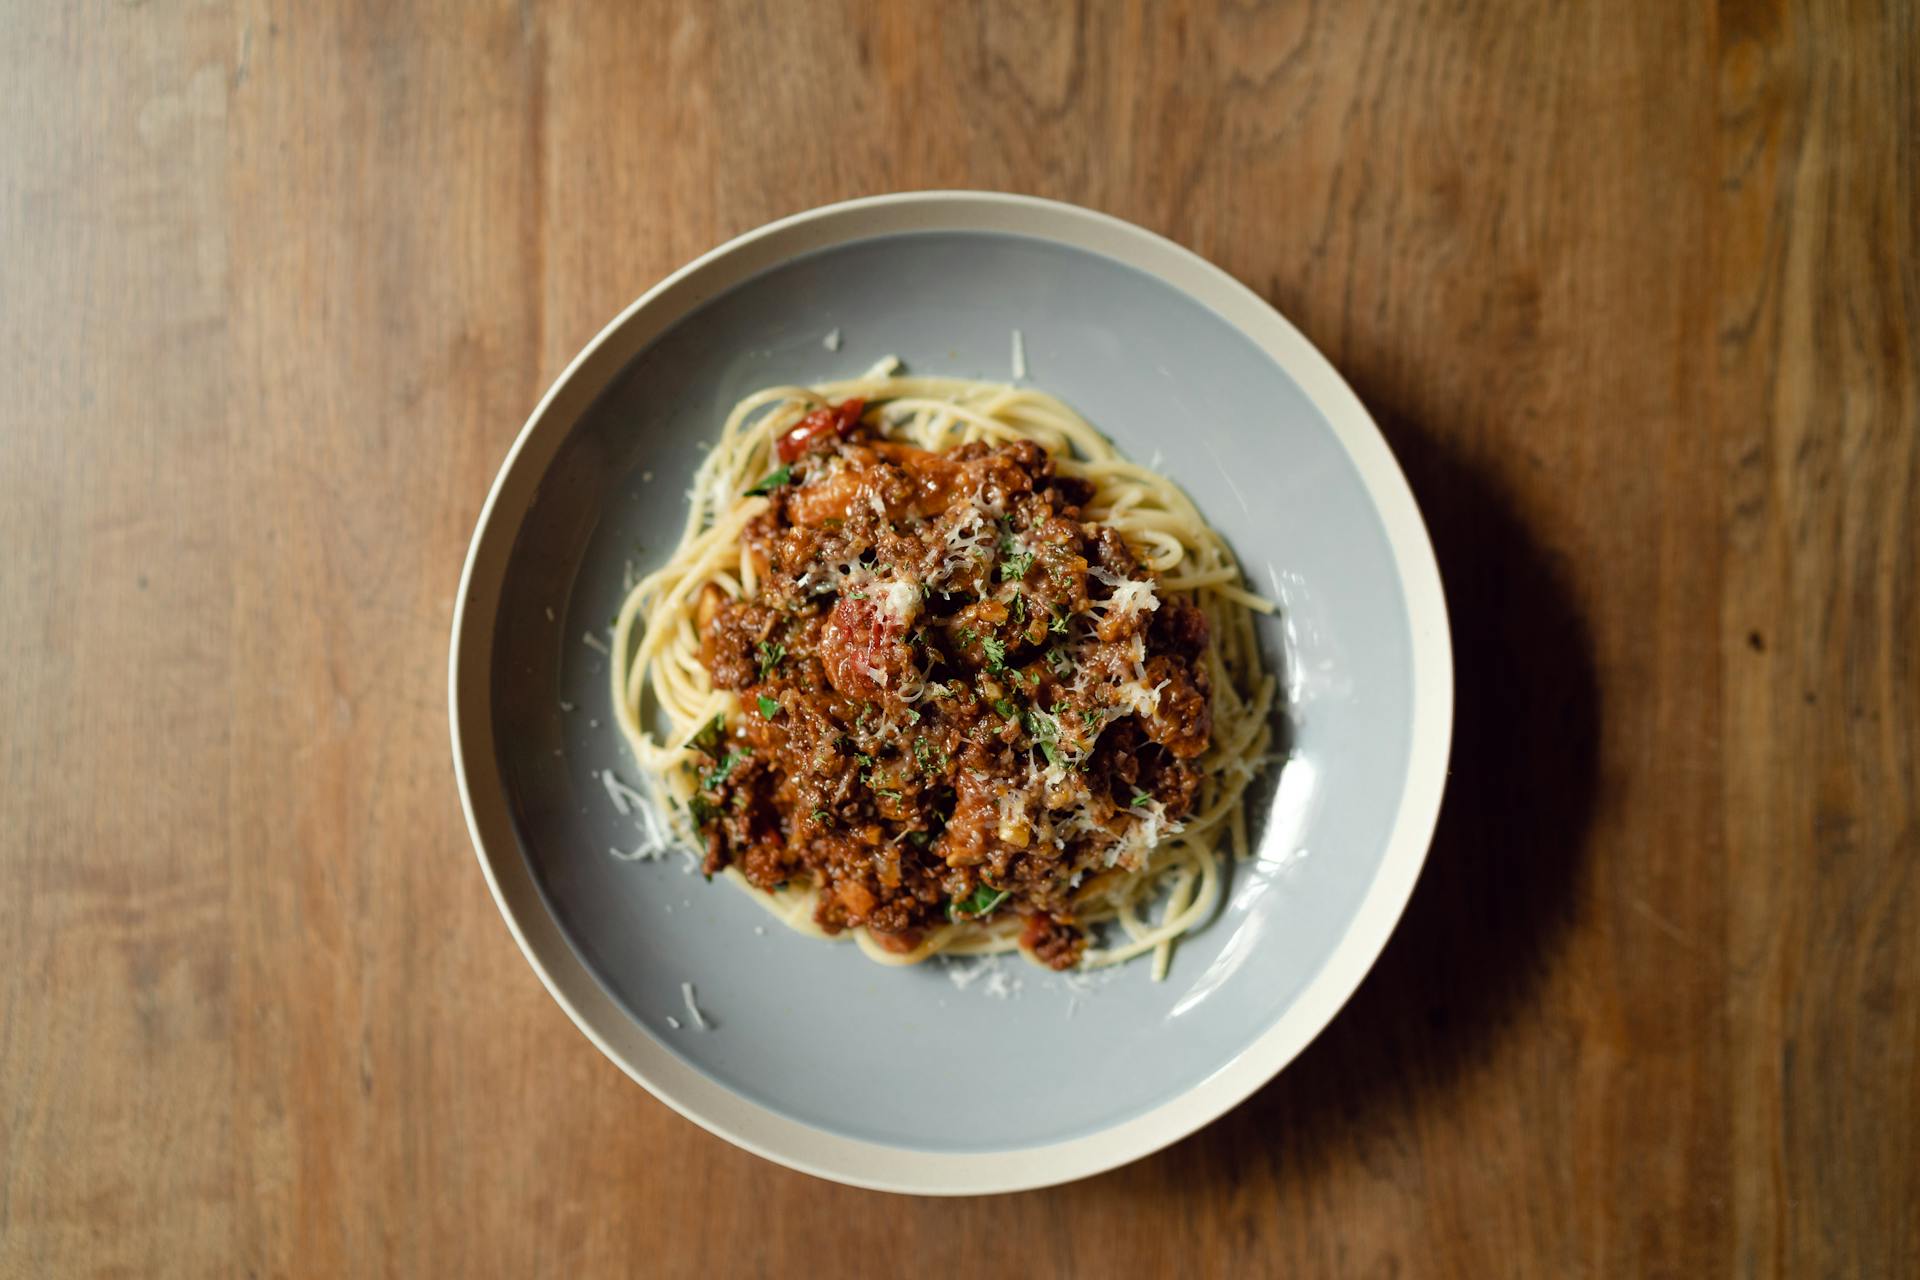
{"x":814,"y":1033}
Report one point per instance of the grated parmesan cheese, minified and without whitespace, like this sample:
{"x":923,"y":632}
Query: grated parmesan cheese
{"x":1129,"y":595}
{"x":686,"y":993}
{"x":901,"y":600}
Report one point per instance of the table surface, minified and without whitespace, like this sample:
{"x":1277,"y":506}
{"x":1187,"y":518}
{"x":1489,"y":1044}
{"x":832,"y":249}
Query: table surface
{"x":1632,"y":289}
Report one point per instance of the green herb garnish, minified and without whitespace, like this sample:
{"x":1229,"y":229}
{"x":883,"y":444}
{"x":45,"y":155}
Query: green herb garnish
{"x":1006,"y":708}
{"x":701,"y":810}
{"x":770,"y":655}
{"x":977,"y":904}
{"x":707,"y":737}
{"x":1140,"y":800}
{"x":1015,"y":566}
{"x":773,"y":481}
{"x":769,"y":707}
{"x":1059,"y":624}
{"x":932,"y":757}
{"x":996,"y":652}
{"x":725,"y":767}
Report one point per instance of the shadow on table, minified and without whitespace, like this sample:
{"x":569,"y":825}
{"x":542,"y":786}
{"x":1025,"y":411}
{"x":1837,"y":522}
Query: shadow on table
{"x":1499,"y":885}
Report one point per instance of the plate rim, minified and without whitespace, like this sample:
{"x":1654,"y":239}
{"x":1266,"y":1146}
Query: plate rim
{"x":749,"y":1124}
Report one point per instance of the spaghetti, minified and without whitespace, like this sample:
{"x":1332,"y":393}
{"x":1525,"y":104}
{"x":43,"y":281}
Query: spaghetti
{"x":1124,"y":581}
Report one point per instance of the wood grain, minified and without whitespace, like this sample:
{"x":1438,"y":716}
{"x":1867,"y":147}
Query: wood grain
{"x":1633,"y":290}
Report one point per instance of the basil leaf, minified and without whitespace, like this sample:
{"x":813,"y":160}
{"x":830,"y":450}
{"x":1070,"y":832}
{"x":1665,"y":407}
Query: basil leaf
{"x":773,"y":481}
{"x":707,"y":738}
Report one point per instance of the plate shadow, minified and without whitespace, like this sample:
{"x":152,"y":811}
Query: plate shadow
{"x":1499,"y":887}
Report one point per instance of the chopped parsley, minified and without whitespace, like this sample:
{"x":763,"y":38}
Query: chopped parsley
{"x":913,"y":716}
{"x":1059,"y":624}
{"x":977,"y":904}
{"x":1015,"y":566}
{"x":1018,"y":609}
{"x":770,"y":655}
{"x":1045,"y":728}
{"x":931,"y":757}
{"x":725,"y":767}
{"x":702,"y":810}
{"x":819,"y":815}
{"x":1006,"y":708}
{"x":1140,"y":800}
{"x":1043,"y":725}
{"x":1059,"y":662}
{"x":996,"y":652}
{"x":769,"y":707}
{"x":773,"y":481}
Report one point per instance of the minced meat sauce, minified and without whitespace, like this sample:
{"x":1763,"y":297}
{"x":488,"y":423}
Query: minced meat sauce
{"x":961,"y":698}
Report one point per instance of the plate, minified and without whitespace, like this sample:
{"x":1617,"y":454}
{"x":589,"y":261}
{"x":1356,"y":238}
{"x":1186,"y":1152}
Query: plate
{"x":950,"y":1079}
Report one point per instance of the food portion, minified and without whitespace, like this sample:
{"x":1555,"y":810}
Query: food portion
{"x":945,"y":674}
{"x":963,"y":699}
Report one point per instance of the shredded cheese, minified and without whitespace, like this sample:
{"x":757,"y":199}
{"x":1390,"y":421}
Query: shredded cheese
{"x":686,"y":993}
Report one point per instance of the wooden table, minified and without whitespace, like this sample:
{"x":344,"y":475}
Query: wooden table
{"x":1632,"y":289}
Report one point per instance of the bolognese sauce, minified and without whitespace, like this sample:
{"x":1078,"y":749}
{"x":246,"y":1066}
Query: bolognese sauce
{"x":962,"y":699}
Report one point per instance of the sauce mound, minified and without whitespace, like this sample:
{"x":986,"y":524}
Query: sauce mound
{"x":962,"y":698}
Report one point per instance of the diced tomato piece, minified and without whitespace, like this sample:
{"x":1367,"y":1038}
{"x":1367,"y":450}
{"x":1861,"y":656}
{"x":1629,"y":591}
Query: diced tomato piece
{"x":829,"y":423}
{"x":864,"y":649}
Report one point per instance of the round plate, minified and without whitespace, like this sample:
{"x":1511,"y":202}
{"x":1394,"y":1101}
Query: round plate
{"x":940,"y":1079}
